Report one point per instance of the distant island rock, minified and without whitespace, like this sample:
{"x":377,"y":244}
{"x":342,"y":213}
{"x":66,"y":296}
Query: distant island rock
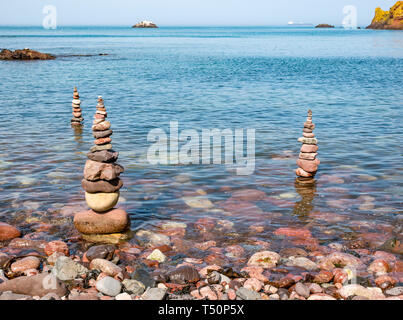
{"x":145,"y":24}
{"x":324,"y":25}
{"x":24,"y":54}
{"x":388,"y":20}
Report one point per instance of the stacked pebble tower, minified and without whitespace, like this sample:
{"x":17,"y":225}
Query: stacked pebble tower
{"x":102,"y":184}
{"x":307,"y":162}
{"x":77,"y":114}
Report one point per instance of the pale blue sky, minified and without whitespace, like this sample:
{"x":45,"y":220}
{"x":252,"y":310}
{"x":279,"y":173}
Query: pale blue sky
{"x":187,"y":12}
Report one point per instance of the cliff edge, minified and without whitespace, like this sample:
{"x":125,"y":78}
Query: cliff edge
{"x":388,"y":20}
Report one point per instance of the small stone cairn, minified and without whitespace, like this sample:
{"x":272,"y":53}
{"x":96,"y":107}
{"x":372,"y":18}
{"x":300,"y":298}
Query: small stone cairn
{"x":77,"y":114}
{"x":102,"y":183}
{"x":307,"y":162}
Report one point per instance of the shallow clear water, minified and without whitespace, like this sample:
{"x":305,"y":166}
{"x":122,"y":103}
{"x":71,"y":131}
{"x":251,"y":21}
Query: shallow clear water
{"x":261,"y":78}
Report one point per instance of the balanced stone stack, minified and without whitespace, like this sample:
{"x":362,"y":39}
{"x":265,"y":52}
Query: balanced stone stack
{"x":307,"y":162}
{"x":102,"y":183}
{"x":77,"y":114}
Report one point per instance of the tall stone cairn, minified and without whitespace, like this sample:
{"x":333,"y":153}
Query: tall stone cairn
{"x":77,"y":114}
{"x":103,"y":223}
{"x":308,"y":162}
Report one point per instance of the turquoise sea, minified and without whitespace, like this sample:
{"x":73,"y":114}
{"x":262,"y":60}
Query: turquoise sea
{"x":263,"y":78}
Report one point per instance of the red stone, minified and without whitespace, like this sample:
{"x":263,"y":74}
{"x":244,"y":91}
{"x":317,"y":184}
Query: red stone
{"x":99,"y":116}
{"x":56,"y":246}
{"x":8,"y":232}
{"x":293,"y":232}
{"x":101,"y":141}
{"x":340,"y":276}
{"x":307,"y":165}
{"x":302,"y":173}
{"x":385,"y":282}
{"x":309,"y":148}
{"x":249,"y":195}
{"x":308,"y":135}
{"x":323,"y":277}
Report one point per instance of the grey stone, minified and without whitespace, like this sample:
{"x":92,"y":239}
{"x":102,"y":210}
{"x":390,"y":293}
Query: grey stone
{"x":144,"y":277}
{"x":134,"y":287}
{"x":109,"y":286}
{"x":66,"y":269}
{"x":302,"y":290}
{"x":51,"y":296}
{"x":102,"y":147}
{"x":397,"y":291}
{"x":8,"y":295}
{"x":301,"y":262}
{"x":153,"y":239}
{"x":154,"y":294}
{"x":246,"y":294}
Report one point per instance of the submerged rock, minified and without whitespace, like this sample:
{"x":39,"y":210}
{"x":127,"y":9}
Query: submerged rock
{"x":8,"y":232}
{"x":157,"y":255}
{"x":264,"y":259}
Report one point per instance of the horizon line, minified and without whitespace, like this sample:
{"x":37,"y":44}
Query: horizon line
{"x":169,"y":25}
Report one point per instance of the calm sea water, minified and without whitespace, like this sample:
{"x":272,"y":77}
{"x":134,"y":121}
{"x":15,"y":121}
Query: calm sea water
{"x":260,"y":78}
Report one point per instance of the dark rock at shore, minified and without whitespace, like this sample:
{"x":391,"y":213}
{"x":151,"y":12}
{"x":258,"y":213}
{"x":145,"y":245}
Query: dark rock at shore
{"x":388,"y":20}
{"x":145,"y":24}
{"x":182,"y":275}
{"x":24,"y":54}
{"x":101,"y":252}
{"x":324,"y":25}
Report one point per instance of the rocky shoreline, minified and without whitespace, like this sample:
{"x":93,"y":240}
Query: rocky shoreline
{"x":145,"y":269}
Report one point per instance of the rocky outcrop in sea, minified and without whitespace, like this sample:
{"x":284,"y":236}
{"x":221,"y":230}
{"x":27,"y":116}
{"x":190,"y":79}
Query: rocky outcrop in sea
{"x":145,"y":24}
{"x":24,"y":54}
{"x":324,"y":25}
{"x":388,"y":20}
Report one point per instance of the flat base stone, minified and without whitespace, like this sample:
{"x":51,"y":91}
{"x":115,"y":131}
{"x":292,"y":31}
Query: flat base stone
{"x":113,"y":238}
{"x":91,"y":222}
